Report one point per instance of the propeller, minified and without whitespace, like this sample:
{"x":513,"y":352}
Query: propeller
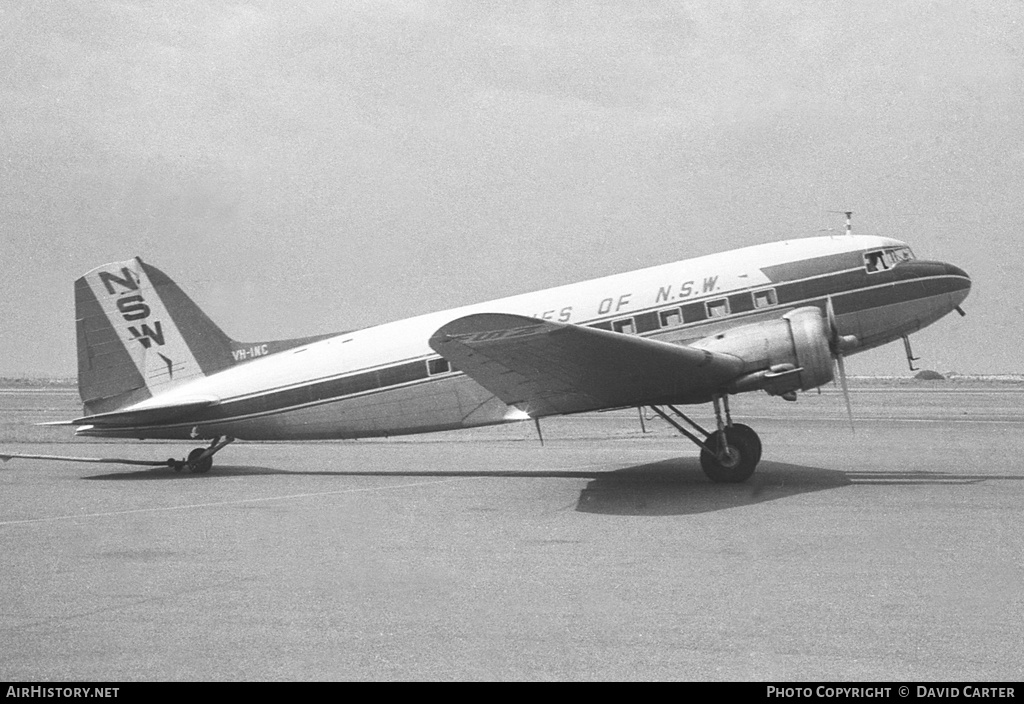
{"x":839,"y":344}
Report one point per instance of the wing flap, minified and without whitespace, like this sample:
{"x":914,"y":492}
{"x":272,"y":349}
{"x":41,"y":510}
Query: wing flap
{"x":549,"y":368}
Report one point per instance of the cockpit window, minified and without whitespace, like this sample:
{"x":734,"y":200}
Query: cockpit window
{"x":884,"y":259}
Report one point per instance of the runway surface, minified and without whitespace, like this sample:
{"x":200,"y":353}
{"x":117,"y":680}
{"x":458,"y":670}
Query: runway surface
{"x":891,"y":554}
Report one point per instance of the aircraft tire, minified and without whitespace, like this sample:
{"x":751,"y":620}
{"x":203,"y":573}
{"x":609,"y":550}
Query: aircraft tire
{"x":752,"y":437}
{"x":197,"y":465}
{"x":739,"y":463}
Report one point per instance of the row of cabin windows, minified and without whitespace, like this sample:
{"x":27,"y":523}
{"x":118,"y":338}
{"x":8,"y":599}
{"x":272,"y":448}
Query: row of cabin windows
{"x":668,"y":318}
{"x":692,"y":312}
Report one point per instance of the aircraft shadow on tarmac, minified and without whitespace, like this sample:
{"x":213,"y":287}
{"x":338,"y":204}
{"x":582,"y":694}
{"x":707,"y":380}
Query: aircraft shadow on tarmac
{"x":679,"y":487}
{"x":675,"y":486}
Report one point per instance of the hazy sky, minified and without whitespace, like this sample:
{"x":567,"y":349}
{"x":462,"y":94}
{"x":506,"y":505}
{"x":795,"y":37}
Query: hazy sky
{"x":302,"y":167}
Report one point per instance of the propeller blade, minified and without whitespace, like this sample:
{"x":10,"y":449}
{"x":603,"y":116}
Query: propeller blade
{"x":846,"y":391}
{"x":833,"y":326}
{"x":836,"y":343}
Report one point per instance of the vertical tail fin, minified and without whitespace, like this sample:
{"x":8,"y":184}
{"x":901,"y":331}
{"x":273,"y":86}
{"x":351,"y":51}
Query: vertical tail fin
{"x":139,"y":334}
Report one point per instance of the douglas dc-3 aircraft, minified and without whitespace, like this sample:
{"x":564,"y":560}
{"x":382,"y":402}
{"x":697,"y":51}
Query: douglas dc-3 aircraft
{"x":776,"y":317}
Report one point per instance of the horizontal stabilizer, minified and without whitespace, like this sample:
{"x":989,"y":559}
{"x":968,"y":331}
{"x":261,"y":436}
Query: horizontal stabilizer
{"x":146,"y":415}
{"x":548,"y":368}
{"x":92,"y":460}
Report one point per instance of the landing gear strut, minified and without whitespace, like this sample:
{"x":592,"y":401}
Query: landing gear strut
{"x":729,"y":454}
{"x":200,"y":460}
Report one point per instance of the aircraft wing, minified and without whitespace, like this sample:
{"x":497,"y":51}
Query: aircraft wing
{"x":548,"y":368}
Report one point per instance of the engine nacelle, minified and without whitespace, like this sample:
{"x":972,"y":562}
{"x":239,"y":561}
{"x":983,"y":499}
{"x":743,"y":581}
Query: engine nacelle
{"x":788,"y":354}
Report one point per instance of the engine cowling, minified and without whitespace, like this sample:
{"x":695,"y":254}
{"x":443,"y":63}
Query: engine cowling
{"x":788,"y":354}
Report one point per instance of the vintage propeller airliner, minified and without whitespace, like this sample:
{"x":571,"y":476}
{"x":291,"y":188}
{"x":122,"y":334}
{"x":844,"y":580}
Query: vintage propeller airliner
{"x":776,"y":317}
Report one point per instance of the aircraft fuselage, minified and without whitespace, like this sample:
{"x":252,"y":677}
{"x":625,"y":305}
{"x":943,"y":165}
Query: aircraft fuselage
{"x":386,"y":380}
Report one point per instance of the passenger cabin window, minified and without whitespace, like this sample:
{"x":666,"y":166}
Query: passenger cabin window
{"x":765,"y":298}
{"x":438,"y":366}
{"x":885,"y":259}
{"x":718,"y":308}
{"x":625,"y":325}
{"x":670,"y":318}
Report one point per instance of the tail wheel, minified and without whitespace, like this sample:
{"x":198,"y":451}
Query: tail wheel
{"x":196,"y":465}
{"x":735,"y":460}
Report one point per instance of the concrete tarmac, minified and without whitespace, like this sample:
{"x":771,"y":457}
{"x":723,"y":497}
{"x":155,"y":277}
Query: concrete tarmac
{"x":894,"y":553}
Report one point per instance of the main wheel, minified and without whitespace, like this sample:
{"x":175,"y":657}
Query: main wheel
{"x":199,"y":466}
{"x":751,"y":437}
{"x":733,"y":465}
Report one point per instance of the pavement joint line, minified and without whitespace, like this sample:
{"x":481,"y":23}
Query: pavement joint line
{"x":226,"y":503}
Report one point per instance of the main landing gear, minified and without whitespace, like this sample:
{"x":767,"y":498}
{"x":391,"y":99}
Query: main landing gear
{"x":200,"y":460}
{"x":728,"y":455}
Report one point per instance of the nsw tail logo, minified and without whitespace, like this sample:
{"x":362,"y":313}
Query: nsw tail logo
{"x":133,"y":309}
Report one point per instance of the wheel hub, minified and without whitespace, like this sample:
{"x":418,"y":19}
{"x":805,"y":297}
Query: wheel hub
{"x":729,"y":457}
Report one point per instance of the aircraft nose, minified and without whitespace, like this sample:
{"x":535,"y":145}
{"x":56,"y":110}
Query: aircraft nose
{"x":953,"y":270}
{"x":961,"y":286}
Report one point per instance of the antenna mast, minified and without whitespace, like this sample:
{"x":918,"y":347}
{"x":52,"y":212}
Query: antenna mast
{"x":849,"y":219}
